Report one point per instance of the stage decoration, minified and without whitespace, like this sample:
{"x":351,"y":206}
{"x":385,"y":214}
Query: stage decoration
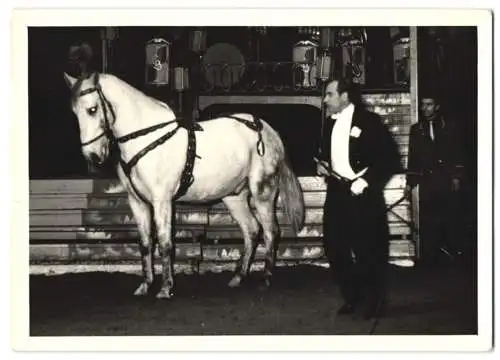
{"x":353,"y":44}
{"x":181,"y":82}
{"x":324,"y":65}
{"x":304,"y":57}
{"x":401,"y":57}
{"x":157,"y":62}
{"x":198,"y":41}
{"x":327,"y":38}
{"x":222,"y":64}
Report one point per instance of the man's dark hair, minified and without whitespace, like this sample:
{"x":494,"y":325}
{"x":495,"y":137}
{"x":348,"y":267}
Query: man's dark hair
{"x":429,"y":93}
{"x":345,"y":85}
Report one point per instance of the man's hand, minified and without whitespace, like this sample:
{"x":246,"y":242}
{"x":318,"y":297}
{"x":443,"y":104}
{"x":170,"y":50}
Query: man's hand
{"x":358,"y":186}
{"x":321,"y":168}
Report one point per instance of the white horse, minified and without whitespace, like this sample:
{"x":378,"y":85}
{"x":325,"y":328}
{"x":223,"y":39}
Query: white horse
{"x":230,"y":158}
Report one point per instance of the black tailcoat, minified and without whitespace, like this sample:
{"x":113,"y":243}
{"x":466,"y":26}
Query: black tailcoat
{"x":357,"y":225}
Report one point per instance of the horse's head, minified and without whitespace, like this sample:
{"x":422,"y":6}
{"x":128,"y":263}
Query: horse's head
{"x":94,"y":114}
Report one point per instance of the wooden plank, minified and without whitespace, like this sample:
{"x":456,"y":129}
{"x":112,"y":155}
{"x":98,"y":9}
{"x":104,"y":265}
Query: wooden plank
{"x":58,"y":201}
{"x":215,"y":217}
{"x":223,"y":218}
{"x":205,"y":101}
{"x":111,"y":201}
{"x":312,"y":216}
{"x":414,"y":117}
{"x":316,"y":183}
{"x":312,"y":198}
{"x":64,"y":186}
{"x":414,"y":74}
{"x":118,"y":217}
{"x":309,"y":230}
{"x":130,"y":233}
{"x":110,"y":252}
{"x":387,"y":99}
{"x":130,"y":252}
{"x":105,"y":234}
{"x":109,"y":187}
{"x":55,"y":217}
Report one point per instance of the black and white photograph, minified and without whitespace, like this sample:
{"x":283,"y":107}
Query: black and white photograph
{"x":253,"y":176}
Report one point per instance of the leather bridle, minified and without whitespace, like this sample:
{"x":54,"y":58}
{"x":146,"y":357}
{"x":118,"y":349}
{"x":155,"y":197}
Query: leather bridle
{"x":126,"y":166}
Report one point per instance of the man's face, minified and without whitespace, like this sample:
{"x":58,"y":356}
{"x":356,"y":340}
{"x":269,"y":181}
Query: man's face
{"x":334,"y":103}
{"x":429,"y":108}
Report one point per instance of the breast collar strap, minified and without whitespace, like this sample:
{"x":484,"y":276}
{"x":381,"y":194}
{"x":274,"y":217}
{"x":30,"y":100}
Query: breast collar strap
{"x":187,"y":174}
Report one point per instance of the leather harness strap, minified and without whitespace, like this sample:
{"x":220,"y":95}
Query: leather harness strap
{"x":187,"y":177}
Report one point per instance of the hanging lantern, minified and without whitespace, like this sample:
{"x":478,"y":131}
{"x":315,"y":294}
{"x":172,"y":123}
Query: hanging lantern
{"x":181,"y":81}
{"x":354,"y":54}
{"x":304,"y":52}
{"x":401,"y":51}
{"x":157,"y":62}
{"x":324,"y":66}
{"x":198,"y":41}
{"x":327,"y":37}
{"x":304,"y":57}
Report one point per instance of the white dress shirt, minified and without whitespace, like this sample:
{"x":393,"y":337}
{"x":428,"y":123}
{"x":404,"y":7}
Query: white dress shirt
{"x":340,"y":143}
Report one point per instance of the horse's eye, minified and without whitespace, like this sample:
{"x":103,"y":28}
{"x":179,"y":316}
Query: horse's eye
{"x":92,"y":110}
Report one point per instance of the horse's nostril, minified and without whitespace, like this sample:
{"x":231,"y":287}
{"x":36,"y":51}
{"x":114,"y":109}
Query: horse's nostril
{"x":95,"y":159}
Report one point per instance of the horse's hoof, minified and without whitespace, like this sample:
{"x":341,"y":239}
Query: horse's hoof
{"x":142,"y":290}
{"x":165,"y":294}
{"x":235,"y":281}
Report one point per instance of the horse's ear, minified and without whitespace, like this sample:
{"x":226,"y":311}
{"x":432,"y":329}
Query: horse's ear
{"x":93,"y":77}
{"x":70,"y":80}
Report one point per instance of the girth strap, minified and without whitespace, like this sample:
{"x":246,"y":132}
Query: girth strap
{"x":187,"y":177}
{"x":187,"y":174}
{"x":255,"y":125}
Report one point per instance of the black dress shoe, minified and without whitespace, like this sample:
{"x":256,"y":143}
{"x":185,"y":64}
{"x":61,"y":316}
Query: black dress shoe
{"x":346,"y":309}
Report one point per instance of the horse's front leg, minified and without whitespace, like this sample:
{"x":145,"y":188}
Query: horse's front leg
{"x":163,"y":220}
{"x":143,"y":217}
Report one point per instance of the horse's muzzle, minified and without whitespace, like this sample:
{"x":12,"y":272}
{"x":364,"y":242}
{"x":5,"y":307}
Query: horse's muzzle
{"x":95,"y":163}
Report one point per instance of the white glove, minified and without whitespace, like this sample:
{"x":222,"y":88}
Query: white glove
{"x":358,"y":186}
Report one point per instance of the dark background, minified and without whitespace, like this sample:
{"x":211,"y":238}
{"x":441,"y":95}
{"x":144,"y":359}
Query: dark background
{"x":447,"y":59}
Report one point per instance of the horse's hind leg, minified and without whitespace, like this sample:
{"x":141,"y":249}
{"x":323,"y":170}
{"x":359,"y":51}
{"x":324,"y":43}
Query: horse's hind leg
{"x":142,"y":215}
{"x":240,"y":210}
{"x":264,"y":194}
{"x":163,"y":212}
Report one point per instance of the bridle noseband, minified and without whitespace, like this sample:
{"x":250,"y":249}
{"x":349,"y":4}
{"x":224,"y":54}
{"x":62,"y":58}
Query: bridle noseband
{"x":107,"y":126}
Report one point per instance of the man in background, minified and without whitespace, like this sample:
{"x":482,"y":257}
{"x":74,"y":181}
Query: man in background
{"x":434,"y":163}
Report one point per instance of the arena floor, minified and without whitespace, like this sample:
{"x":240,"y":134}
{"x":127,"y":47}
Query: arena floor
{"x":302,"y":301}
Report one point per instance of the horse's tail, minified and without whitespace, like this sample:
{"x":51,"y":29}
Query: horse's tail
{"x":291,"y":196}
